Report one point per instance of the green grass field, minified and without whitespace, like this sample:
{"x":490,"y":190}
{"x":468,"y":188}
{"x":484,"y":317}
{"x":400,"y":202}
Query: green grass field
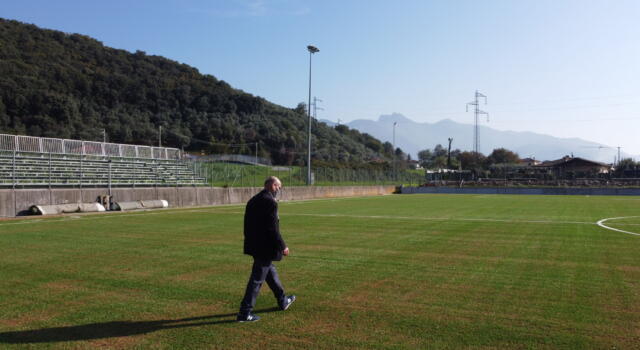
{"x":389,"y":272}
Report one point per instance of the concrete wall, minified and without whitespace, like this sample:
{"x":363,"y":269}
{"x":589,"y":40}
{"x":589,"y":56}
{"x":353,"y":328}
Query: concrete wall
{"x":25,"y":198}
{"x":7,"y":203}
{"x":177,"y":197}
{"x":540,"y":191}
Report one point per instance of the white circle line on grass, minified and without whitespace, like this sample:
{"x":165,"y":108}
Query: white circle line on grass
{"x":601,"y":224}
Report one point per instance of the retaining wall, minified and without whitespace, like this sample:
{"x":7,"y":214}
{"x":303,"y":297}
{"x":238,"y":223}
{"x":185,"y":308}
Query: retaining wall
{"x":529,"y":191}
{"x":18,"y":201}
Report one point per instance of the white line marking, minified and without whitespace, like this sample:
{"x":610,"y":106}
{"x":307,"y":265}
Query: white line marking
{"x":601,"y":224}
{"x":442,"y":218}
{"x":111,"y":215}
{"x":214,"y":209}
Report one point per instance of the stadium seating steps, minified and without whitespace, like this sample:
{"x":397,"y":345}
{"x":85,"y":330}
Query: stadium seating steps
{"x":37,"y":169}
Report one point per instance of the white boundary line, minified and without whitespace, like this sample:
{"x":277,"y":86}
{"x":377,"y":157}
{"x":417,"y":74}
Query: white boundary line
{"x":601,"y":224}
{"x":165,"y":211}
{"x":440,"y":219}
{"x":168,"y":211}
{"x":212,"y":210}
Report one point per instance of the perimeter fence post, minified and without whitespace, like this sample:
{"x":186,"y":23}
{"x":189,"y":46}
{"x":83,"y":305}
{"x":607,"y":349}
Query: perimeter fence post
{"x":110,"y":178}
{"x":81,"y":170}
{"x":13,"y":172}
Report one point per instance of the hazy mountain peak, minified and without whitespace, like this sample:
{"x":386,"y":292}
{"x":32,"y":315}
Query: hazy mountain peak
{"x":446,"y":121}
{"x":416,"y":136}
{"x":394,"y":117}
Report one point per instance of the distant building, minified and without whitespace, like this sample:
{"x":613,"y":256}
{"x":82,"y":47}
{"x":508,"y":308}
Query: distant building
{"x":413,"y":164}
{"x":568,"y":167}
{"x":529,"y":161}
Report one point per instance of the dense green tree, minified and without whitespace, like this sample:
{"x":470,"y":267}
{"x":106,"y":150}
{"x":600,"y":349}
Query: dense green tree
{"x":502,"y":156}
{"x":425,"y":157}
{"x":437,"y":158}
{"x":627,"y":167}
{"x":472,"y":161}
{"x":71,"y":86}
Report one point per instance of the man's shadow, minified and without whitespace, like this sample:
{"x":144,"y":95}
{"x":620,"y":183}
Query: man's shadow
{"x":111,"y":329}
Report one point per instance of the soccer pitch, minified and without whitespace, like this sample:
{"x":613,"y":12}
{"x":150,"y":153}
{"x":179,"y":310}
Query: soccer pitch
{"x":388,"y":272}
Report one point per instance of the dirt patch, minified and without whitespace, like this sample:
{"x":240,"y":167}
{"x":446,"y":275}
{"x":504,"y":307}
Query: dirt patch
{"x":63,"y":285}
{"x":501,"y":259}
{"x":114,"y":343}
{"x":29,"y":318}
{"x":366,"y":292}
{"x":627,"y":268}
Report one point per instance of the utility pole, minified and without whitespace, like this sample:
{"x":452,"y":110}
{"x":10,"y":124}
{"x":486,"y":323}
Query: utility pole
{"x":477,"y":113}
{"x":104,"y":136}
{"x":312,"y":50}
{"x":449,"y":154}
{"x":393,"y":153}
{"x":160,"y":136}
{"x":316,"y":108}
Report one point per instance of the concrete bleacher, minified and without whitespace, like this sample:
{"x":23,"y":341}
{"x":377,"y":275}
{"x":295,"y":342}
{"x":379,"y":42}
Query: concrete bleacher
{"x":39,"y":169}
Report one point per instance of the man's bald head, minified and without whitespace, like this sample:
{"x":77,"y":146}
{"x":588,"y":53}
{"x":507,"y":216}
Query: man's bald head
{"x":272,"y":184}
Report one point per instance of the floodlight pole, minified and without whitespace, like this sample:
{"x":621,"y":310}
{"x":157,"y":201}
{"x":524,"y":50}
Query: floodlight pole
{"x":312,"y":50}
{"x":393,"y":153}
{"x":449,"y":154}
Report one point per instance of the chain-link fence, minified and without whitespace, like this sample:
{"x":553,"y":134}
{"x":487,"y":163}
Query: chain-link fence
{"x":230,"y":174}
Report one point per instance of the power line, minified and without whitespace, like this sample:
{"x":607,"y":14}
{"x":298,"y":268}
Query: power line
{"x":633,"y":102}
{"x":537,"y":121}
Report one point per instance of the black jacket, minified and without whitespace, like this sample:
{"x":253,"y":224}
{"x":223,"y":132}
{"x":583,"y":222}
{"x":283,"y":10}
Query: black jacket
{"x":262,"y":237}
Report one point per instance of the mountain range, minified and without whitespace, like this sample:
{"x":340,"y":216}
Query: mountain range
{"x":413,"y":137}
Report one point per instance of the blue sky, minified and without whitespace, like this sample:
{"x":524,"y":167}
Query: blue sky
{"x":567,"y":68}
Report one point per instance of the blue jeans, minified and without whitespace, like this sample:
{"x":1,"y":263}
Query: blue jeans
{"x":262,"y":270}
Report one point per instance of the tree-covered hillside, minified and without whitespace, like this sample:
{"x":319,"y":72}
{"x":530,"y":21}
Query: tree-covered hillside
{"x":63,"y":85}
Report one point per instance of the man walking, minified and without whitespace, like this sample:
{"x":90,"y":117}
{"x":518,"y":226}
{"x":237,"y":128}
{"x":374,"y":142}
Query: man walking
{"x":262,"y":240}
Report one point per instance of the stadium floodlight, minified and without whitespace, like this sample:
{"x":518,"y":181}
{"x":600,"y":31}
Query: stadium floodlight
{"x":312,"y":50}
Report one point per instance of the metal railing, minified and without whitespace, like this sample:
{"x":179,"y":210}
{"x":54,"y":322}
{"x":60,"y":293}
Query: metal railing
{"x":28,"y":170}
{"x":30,"y":144}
